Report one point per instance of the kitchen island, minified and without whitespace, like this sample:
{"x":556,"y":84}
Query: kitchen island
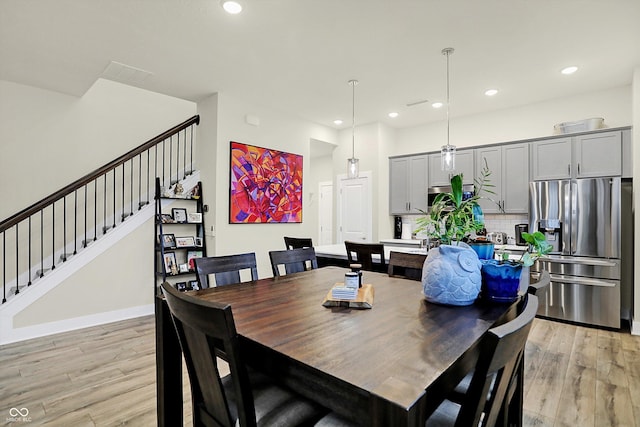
{"x":337,"y":254}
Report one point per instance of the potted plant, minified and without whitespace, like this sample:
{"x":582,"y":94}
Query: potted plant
{"x":501,"y":279}
{"x":452,"y":270}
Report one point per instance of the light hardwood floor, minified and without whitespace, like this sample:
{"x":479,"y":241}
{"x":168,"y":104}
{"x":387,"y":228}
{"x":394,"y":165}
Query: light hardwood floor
{"x":105,"y":376}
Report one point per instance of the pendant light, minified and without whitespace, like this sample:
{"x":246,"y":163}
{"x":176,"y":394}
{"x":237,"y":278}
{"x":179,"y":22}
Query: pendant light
{"x":353,"y":163}
{"x":448,"y":152}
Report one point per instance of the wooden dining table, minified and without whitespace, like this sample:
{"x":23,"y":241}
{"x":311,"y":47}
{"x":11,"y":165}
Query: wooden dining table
{"x":391,"y":364}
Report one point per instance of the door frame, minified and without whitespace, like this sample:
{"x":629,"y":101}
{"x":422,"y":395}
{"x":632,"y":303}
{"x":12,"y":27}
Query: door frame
{"x":322,"y":184}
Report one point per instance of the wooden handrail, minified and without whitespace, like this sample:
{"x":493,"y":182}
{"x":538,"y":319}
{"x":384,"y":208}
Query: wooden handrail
{"x":38,"y":206}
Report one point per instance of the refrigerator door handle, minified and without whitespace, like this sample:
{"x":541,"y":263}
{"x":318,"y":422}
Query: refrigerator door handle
{"x":575,"y":212}
{"x":583,"y":281}
{"x":596,"y":262}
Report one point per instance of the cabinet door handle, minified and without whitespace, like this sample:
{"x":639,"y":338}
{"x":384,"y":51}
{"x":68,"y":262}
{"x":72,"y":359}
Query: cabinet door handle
{"x":578,"y":168}
{"x":569,"y":169}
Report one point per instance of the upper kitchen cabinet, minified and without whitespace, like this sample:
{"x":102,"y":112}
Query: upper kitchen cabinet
{"x":464,"y":165}
{"x":509,"y":166}
{"x":581,"y":156}
{"x":408,"y":184}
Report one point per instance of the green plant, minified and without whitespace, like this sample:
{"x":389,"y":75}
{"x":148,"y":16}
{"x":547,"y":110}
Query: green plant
{"x":538,"y":246}
{"x":453,"y":218}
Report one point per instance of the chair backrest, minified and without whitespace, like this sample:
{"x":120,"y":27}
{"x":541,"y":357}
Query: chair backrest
{"x":294,"y":260}
{"x":406,"y":265}
{"x":297,"y":242}
{"x":205,"y":328}
{"x":501,"y":351}
{"x":539,"y":287}
{"x":226,"y":268}
{"x":361,"y":253}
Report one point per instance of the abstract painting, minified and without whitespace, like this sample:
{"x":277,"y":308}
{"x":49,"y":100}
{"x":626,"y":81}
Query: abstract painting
{"x":266,"y":185}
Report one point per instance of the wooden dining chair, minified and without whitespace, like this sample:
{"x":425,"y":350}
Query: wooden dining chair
{"x":489,"y":394}
{"x":244,"y":396}
{"x":362,"y":253}
{"x":407,"y":265}
{"x":294,"y":260}
{"x":226,"y":269}
{"x":297,"y":242}
{"x":539,"y":287}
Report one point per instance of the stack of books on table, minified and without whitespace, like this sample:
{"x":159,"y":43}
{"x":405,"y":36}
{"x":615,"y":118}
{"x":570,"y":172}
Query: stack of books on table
{"x":342,"y":292}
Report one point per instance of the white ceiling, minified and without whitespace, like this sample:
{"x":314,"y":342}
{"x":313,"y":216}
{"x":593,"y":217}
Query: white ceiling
{"x":297,"y":55}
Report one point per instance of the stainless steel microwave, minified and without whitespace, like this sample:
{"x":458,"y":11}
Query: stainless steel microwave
{"x":432,"y":192}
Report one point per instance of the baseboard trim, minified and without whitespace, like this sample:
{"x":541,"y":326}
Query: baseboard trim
{"x":66,"y":325}
{"x":635,"y":326}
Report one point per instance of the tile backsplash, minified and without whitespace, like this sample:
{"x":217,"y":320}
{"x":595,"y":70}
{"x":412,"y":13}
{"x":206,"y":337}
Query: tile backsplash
{"x":493,"y":222}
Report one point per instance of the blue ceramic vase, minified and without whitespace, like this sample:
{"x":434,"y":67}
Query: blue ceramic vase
{"x":451,"y":275}
{"x":483,"y":249}
{"x":500,"y":280}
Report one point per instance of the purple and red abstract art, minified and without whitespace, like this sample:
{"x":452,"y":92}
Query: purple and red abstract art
{"x":266,"y":185}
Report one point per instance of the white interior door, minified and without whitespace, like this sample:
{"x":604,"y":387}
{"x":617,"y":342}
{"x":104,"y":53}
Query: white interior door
{"x":355,"y":210}
{"x":325,"y":213}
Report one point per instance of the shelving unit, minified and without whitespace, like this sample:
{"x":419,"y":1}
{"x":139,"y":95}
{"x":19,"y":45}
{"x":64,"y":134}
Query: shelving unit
{"x":179,"y":237}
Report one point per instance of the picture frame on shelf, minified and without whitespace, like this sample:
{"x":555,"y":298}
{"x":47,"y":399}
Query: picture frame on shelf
{"x":185,"y":242}
{"x":194,"y":218}
{"x":194,"y":285}
{"x":191,"y":255}
{"x":184,"y":268}
{"x":181,"y":286}
{"x":170,"y":264}
{"x":179,"y":215}
{"x":198,"y":242}
{"x":166,"y":219}
{"x":168,"y":241}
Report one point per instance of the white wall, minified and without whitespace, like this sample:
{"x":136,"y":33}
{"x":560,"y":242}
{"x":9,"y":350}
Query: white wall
{"x":49,"y":140}
{"x":276,"y":130}
{"x":526,"y":122}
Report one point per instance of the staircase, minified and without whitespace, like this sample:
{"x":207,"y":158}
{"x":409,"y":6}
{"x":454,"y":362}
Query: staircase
{"x":53,"y":237}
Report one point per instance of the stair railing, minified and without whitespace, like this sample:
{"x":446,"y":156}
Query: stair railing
{"x":58,"y":226}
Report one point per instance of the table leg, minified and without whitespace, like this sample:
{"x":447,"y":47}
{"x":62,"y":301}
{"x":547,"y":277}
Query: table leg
{"x":168,"y":368}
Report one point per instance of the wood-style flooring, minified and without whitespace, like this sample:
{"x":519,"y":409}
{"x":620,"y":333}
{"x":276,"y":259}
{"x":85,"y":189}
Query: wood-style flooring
{"x":105,"y":376}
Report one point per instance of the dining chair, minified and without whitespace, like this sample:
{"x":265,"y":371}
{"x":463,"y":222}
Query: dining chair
{"x":541,"y":285}
{"x":362,"y":253}
{"x":297,"y":242}
{"x":490,"y":392}
{"x":407,"y":265}
{"x":294,"y":260}
{"x":244,"y":397}
{"x":226,"y":269}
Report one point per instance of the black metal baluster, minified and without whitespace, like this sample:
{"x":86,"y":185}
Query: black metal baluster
{"x":191,"y":129}
{"x":114,"y":196}
{"x":164,"y":182}
{"x":17,"y":262}
{"x":75,"y":222}
{"x":95,"y":210}
{"x":140,"y":181}
{"x":148,"y":170}
{"x":184,"y":156}
{"x":170,"y":159}
{"x":53,"y":236}
{"x":104,"y":218}
{"x":42,"y":243}
{"x":29,"y":255}
{"x":84,"y":241}
{"x":64,"y":229}
{"x":178,"y":159}
{"x":122,"y":215}
{"x":4,"y":268}
{"x":131,"y":185}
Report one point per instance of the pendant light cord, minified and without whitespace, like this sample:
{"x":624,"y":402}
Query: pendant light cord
{"x":353,"y":84}
{"x":447,"y":51}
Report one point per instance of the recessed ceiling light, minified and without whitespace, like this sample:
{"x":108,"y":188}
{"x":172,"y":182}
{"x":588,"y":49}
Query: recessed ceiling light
{"x":393,"y":115}
{"x":437,"y":105}
{"x":232,"y":7}
{"x":337,"y":122}
{"x":490,"y":92}
{"x":569,"y":70}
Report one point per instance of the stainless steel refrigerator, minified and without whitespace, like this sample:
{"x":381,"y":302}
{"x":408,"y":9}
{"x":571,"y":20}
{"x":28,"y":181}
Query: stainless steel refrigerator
{"x":581,"y":219}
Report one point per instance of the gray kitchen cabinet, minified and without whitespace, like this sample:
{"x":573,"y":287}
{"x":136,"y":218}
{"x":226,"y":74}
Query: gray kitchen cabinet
{"x":598,"y":154}
{"x":551,"y":159}
{"x":408,"y":184}
{"x":464,"y":165}
{"x":509,"y":166}
{"x":581,"y":156}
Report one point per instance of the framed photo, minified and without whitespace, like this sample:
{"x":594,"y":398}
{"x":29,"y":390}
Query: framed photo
{"x":194,"y":217}
{"x":194,"y":285}
{"x":191,"y":255}
{"x":185,"y":242}
{"x":166,"y":219}
{"x":168,"y":241}
{"x":265,"y":185}
{"x":184,"y":268}
{"x":198,"y":241}
{"x":181,"y":286}
{"x":170,"y":264}
{"x":179,"y":215}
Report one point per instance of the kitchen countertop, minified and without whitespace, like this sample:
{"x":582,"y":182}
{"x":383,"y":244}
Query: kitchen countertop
{"x":340,"y":252}
{"x":412,"y":242}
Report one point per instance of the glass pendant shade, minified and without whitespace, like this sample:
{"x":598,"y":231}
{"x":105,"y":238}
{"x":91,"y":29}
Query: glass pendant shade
{"x":448,"y":158}
{"x":353,"y":168}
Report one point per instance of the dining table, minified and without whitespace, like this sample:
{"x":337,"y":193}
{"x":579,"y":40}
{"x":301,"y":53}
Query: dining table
{"x":391,"y":364}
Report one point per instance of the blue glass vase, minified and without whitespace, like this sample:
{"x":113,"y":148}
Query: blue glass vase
{"x":500,"y":280}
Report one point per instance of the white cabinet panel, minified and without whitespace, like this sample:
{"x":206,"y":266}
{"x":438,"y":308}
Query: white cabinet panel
{"x":408,"y":184}
{"x":551,"y":159}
